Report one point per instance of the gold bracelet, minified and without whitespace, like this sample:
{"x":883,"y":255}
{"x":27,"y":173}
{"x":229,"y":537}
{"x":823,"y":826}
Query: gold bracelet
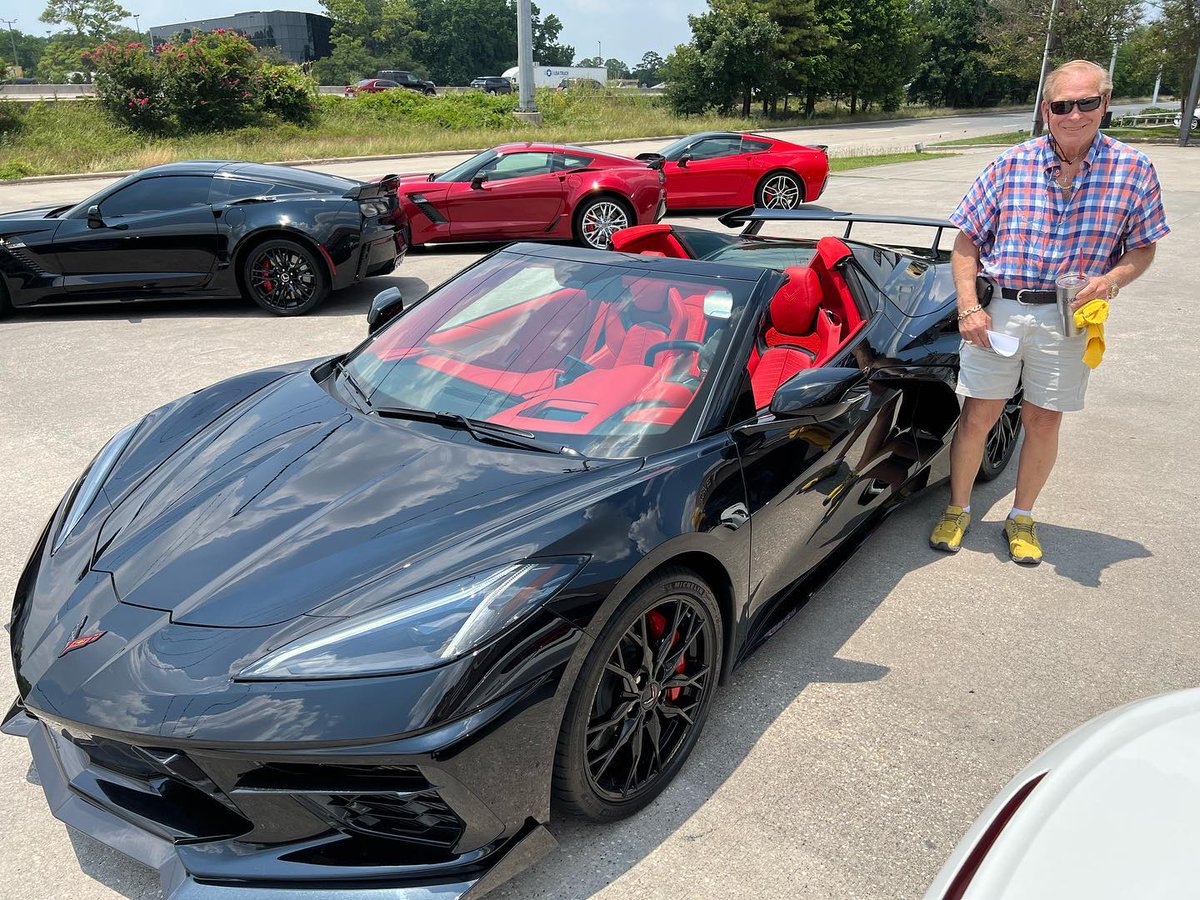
{"x":969,"y":312}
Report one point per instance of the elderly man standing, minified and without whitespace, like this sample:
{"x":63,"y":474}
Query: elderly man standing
{"x":1072,"y":201}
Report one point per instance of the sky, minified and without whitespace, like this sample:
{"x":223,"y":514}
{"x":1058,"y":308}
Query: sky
{"x":625,"y":29}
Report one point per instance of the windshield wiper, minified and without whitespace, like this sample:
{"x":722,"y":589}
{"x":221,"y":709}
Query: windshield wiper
{"x":365,"y":405}
{"x":485,"y":432}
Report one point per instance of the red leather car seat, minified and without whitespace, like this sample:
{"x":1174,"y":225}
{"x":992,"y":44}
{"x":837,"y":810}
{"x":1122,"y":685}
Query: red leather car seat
{"x":640,"y":238}
{"x":792,"y":312}
{"x":625,"y":331}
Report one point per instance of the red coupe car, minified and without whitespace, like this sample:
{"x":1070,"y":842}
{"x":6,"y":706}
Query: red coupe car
{"x":533,"y":190}
{"x":725,"y":169}
{"x":369,"y":86}
{"x":529,"y":190}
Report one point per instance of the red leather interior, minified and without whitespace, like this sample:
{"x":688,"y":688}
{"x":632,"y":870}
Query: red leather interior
{"x":641,"y":238}
{"x":626,"y":331}
{"x":584,"y":405}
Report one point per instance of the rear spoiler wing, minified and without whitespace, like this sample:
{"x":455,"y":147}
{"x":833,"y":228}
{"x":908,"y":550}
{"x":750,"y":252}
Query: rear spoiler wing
{"x":754,"y":218}
{"x":379,"y":187}
{"x":652,"y":160}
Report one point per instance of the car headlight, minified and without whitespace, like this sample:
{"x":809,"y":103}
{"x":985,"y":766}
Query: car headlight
{"x":92,"y":481}
{"x":421,"y":631}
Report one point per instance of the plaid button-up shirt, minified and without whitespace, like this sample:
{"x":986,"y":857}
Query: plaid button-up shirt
{"x":1029,"y":230}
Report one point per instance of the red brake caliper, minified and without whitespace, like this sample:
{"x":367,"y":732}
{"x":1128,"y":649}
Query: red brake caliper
{"x":658,"y":623}
{"x":265,"y":271}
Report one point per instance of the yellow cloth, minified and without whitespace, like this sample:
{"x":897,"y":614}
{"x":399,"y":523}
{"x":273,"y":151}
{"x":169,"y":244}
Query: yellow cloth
{"x":1091,"y":316}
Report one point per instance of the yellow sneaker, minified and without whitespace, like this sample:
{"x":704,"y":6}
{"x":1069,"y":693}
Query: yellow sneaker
{"x":1023,"y":544}
{"x":948,"y":533}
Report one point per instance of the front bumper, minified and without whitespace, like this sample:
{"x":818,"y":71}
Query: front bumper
{"x":394,"y":820}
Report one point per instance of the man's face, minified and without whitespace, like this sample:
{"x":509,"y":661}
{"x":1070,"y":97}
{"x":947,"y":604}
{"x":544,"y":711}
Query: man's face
{"x":1077,"y":128}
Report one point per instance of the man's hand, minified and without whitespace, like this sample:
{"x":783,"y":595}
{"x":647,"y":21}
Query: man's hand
{"x":1097,"y":286}
{"x":974,"y":328}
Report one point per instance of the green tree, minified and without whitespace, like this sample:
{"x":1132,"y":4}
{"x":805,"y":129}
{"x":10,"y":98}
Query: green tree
{"x":876,"y":55}
{"x":734,"y":56}
{"x":616,"y":68}
{"x":952,"y":68}
{"x":806,"y":38}
{"x":96,"y":19}
{"x":688,"y":87}
{"x":546,"y":49}
{"x":648,"y":71}
{"x":64,"y":55}
{"x":1180,"y":23}
{"x":1015,"y":33}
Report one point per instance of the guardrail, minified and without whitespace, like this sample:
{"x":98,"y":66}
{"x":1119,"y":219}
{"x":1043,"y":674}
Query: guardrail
{"x":1136,"y":120}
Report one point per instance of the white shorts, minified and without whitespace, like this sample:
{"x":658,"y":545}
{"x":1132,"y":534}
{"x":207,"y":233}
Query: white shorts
{"x":1048,"y":365}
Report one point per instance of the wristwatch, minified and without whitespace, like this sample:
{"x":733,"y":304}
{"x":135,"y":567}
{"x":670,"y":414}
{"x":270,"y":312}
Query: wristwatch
{"x":1113,"y":287}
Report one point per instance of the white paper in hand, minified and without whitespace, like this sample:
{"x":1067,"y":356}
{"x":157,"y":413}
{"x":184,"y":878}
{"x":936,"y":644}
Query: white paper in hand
{"x":1003,"y":344}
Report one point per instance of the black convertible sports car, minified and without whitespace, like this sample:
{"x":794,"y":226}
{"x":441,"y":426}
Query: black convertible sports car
{"x":282,"y":236}
{"x":355,"y":625}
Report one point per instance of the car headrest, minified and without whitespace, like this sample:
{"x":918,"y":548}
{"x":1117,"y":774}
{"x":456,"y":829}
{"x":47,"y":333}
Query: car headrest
{"x":649,"y":295}
{"x":794,"y":306}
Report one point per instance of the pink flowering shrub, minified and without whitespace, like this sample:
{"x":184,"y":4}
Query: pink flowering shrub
{"x":211,"y":81}
{"x":129,"y":84}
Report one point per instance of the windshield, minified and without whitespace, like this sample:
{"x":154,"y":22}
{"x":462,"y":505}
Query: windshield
{"x":464,"y":170}
{"x":612,"y":359}
{"x":765,"y":253}
{"x":672,"y":150}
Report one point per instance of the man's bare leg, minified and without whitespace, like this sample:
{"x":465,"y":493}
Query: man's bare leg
{"x":966,"y":451}
{"x":1038,"y":453}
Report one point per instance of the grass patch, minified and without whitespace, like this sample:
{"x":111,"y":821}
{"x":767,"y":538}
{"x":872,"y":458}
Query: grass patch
{"x":1008,"y":138}
{"x":56,"y":137}
{"x":845,"y":163}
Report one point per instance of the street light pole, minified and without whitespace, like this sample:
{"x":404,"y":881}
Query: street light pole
{"x":137,"y":25}
{"x":526,"y":109}
{"x":12,"y":37}
{"x":1036,"y":128}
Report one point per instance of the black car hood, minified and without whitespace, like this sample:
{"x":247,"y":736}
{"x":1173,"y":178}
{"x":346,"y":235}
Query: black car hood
{"x":291,"y":500}
{"x":37,"y":214}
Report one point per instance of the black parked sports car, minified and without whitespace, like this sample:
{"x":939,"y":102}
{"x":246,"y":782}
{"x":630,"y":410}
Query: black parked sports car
{"x":357,"y":624}
{"x":284,"y":237}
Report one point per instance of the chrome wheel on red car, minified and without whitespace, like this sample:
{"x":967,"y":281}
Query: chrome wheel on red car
{"x":780,"y":191}
{"x":641,"y":700}
{"x":599,"y":219}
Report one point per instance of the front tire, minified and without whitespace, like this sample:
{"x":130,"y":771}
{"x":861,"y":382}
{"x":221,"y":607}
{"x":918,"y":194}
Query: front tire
{"x":641,"y":699}
{"x":1002,"y":440}
{"x":779,"y":190}
{"x":599,"y":218}
{"x":284,"y":277}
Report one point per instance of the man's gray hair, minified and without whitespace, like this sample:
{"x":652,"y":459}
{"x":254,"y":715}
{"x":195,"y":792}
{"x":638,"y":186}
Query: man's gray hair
{"x":1081,"y":65}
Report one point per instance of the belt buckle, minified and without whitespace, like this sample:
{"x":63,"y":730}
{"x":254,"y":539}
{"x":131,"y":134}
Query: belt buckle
{"x":1026,"y":291}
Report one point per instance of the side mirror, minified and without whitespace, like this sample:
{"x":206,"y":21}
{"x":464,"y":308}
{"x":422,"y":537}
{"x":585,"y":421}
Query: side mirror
{"x":818,"y":395}
{"x":386,"y":306}
{"x":477,"y":180}
{"x":684,"y":160}
{"x":94,"y":219}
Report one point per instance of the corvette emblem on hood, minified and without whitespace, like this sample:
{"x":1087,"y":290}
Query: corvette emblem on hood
{"x":79,"y":640}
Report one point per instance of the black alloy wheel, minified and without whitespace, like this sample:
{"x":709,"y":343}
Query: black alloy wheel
{"x":284,"y":278}
{"x":641,"y":699}
{"x":779,"y":190}
{"x":1002,"y":439}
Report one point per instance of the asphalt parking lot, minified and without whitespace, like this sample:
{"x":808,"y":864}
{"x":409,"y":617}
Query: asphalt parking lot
{"x":848,"y":756}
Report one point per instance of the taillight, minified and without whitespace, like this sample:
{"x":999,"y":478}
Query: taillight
{"x":962,"y":879}
{"x":662,"y":177}
{"x":373,"y":207}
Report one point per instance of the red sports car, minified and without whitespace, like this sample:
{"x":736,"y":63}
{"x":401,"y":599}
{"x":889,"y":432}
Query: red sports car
{"x":369,"y":86}
{"x":726,"y":169}
{"x":533,"y":190}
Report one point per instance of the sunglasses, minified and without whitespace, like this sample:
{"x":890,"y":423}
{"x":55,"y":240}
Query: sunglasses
{"x":1086,"y":104}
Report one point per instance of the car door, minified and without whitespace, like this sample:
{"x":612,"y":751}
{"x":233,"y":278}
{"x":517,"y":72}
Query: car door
{"x":155,"y":237}
{"x":706,"y":174}
{"x":811,"y":484}
{"x":521,"y":196}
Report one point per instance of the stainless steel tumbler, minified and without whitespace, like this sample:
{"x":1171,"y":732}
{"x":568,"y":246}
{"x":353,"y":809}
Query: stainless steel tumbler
{"x":1068,"y":286}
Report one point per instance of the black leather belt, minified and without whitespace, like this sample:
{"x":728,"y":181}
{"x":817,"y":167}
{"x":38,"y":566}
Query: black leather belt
{"x":1027,"y":296}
